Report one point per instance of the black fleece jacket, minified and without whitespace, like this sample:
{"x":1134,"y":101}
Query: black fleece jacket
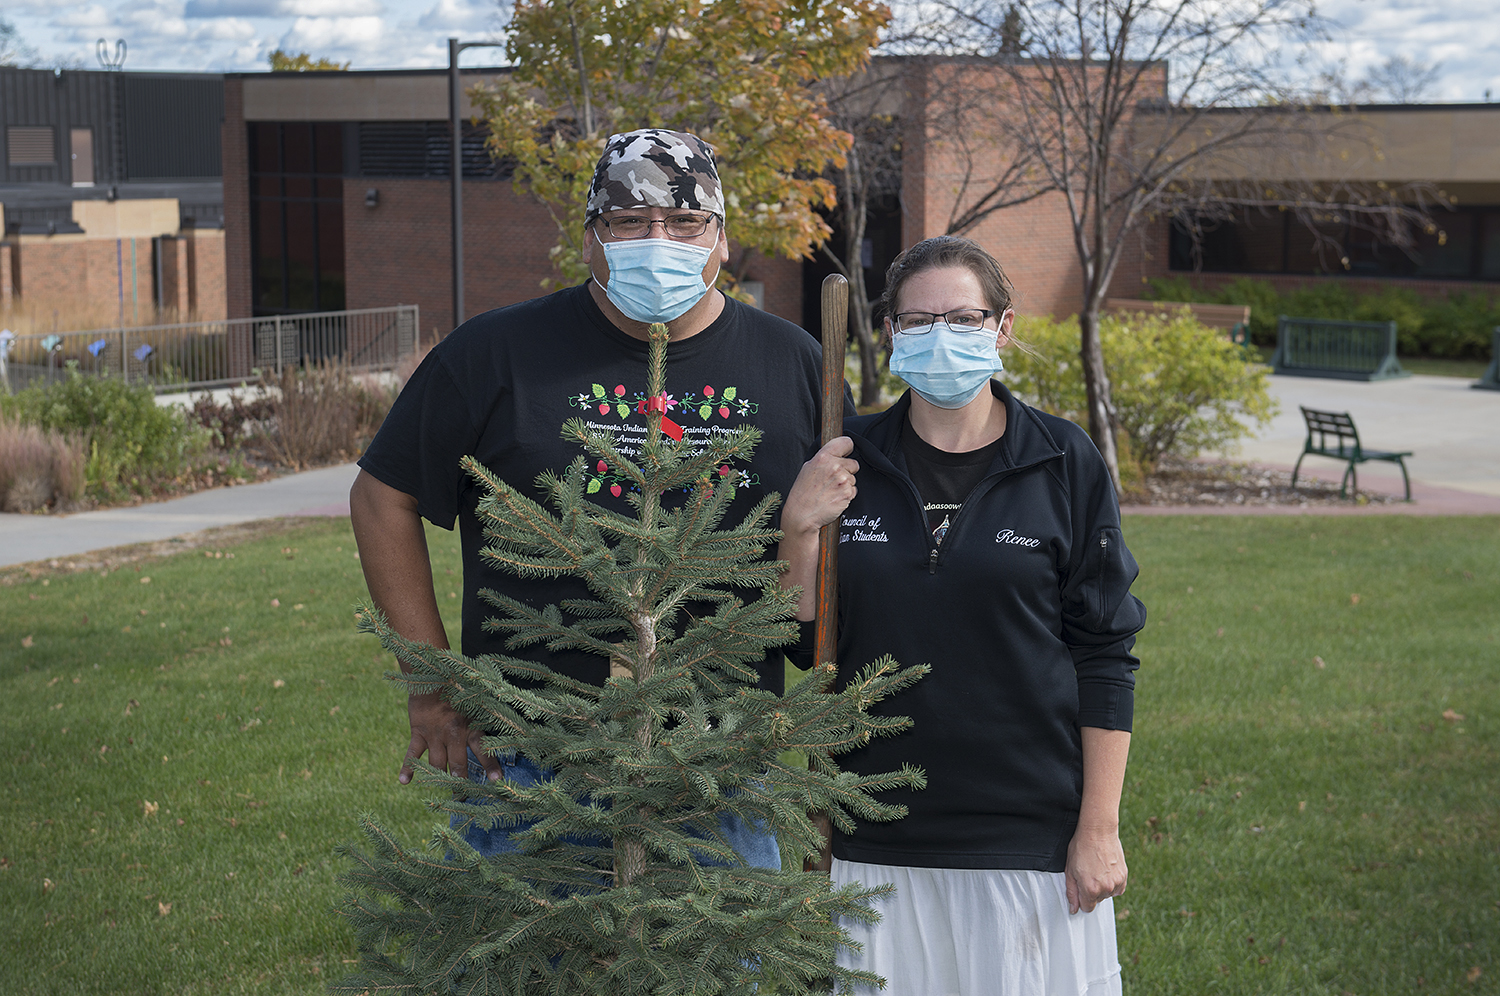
{"x":1025,"y":615}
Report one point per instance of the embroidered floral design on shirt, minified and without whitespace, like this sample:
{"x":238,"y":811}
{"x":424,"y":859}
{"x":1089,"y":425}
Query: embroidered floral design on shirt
{"x":622,"y":407}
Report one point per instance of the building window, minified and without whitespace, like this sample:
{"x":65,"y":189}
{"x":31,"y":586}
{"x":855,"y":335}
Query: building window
{"x":424,"y":149}
{"x":30,"y":147}
{"x":296,"y":217}
{"x":1464,"y":246}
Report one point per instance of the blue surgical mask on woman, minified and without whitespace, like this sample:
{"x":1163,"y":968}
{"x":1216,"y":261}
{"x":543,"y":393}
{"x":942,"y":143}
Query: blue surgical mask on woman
{"x":948,"y":367}
{"x":655,"y":280}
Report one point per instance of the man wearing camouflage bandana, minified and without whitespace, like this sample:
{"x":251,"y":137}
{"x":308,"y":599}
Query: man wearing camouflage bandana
{"x":501,"y":386}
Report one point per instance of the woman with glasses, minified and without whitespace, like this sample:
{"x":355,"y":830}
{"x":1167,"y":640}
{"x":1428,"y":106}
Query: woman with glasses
{"x":982,"y":537}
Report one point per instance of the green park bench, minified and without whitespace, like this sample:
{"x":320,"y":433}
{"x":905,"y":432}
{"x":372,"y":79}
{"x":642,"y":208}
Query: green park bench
{"x":1316,"y":347}
{"x":1337,"y":438}
{"x":1233,"y":319}
{"x":1491,"y":379}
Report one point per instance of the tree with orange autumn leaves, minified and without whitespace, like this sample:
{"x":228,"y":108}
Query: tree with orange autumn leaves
{"x":734,"y":74}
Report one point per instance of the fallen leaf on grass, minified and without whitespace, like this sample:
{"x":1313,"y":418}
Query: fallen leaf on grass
{"x":299,"y":869}
{"x":103,"y":749}
{"x":162,"y":909}
{"x":275,"y":603}
{"x":1122,"y":914}
{"x":145,"y":580}
{"x":226,"y":642}
{"x":1353,"y":599}
{"x":54,"y":681}
{"x":298,"y":607}
{"x":1221,"y":631}
{"x":26,"y":640}
{"x":333,"y":710}
{"x":1318,"y":662}
{"x":278,"y":683}
{"x":1473,"y":974}
{"x":149,"y":807}
{"x":132,"y":704}
{"x":1453,"y":717}
{"x":48,"y":885}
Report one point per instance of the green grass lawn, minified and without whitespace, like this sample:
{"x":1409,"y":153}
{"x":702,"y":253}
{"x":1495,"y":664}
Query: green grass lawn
{"x":1290,"y":828}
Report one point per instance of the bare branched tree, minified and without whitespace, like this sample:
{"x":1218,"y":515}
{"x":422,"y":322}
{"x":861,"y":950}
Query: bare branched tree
{"x":1072,"y":99}
{"x":868,"y":106}
{"x":13,"y":48}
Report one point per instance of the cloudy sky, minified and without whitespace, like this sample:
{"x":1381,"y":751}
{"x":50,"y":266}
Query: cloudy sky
{"x":1460,"y":37}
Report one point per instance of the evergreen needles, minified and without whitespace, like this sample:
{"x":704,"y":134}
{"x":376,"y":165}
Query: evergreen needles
{"x":624,"y":881}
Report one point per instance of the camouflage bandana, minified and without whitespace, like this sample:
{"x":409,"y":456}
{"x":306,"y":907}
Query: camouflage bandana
{"x":653,"y":167}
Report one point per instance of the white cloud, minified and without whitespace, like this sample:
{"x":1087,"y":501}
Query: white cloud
{"x":1462,"y":36}
{"x":235,"y":35}
{"x":360,"y":40}
{"x":463,"y":17}
{"x":283,"y":8}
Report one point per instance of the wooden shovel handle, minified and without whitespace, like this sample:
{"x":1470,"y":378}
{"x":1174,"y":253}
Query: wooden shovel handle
{"x":835,"y":335}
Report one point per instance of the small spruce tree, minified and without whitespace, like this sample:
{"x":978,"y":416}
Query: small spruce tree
{"x":607,"y":893}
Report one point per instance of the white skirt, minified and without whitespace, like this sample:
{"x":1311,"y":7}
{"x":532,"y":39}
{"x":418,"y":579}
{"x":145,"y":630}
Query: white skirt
{"x":980,"y":932}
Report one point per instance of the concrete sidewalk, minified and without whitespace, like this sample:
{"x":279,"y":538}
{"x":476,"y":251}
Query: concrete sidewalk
{"x":24,"y":538}
{"x":1450,"y":428}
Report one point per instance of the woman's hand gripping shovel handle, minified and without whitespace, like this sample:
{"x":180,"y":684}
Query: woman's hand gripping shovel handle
{"x":835,"y":336}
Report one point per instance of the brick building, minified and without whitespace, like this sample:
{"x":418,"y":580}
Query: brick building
{"x":1454,"y":148}
{"x":110,"y":194}
{"x":336,"y":194}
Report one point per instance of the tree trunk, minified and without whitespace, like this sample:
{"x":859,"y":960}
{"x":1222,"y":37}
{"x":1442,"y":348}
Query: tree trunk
{"x":1096,"y":384}
{"x":855,"y":204}
{"x":865,"y":339}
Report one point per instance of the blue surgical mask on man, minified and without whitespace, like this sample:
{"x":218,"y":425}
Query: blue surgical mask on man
{"x":655,"y":280}
{"x":948,"y":367}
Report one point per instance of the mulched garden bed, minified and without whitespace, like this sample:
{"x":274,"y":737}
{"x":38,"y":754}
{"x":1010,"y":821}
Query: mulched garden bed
{"x":1204,"y":483}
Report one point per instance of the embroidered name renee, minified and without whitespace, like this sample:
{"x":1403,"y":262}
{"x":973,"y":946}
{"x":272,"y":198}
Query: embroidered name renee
{"x":1010,"y":537}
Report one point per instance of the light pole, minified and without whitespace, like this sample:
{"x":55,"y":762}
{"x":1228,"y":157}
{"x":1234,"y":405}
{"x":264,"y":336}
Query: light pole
{"x":455,"y":98}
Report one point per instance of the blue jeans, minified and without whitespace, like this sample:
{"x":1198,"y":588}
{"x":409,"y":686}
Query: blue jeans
{"x":750,"y":840}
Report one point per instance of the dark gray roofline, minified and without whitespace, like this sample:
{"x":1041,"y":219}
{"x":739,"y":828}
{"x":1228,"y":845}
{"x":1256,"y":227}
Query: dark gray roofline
{"x":345,"y":73}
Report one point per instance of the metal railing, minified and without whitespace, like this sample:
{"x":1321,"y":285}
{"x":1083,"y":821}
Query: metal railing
{"x":1315,"y":347}
{"x":214,"y":354}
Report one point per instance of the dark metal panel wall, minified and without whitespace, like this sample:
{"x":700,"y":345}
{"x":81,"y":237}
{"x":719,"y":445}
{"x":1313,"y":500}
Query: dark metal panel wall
{"x":146,"y":126}
{"x":61,"y":101}
{"x":172,"y":127}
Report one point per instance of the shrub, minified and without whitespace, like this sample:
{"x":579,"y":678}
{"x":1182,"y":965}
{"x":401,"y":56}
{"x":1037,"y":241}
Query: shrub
{"x":1456,"y":326}
{"x":1460,"y":326}
{"x":130,"y":440}
{"x":321,"y":413}
{"x":233,"y":422}
{"x":39,"y":467}
{"x":1179,"y":388}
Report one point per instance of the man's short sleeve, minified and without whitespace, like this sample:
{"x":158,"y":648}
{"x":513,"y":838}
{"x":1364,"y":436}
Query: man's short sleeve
{"x":417,"y":450}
